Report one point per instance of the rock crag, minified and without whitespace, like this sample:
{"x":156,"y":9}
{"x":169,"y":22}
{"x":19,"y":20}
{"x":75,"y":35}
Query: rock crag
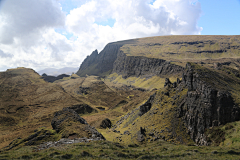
{"x":142,"y":66}
{"x":70,"y":124}
{"x":205,"y":105}
{"x":102,"y":63}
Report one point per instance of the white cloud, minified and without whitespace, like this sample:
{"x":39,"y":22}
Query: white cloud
{"x":133,"y":19}
{"x":28,"y":34}
{"x":5,"y":55}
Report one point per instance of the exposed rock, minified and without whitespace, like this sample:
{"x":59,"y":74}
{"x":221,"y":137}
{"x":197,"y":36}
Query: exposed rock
{"x":41,"y":135}
{"x":106,"y":123}
{"x":126,"y":132}
{"x":141,"y":135}
{"x":88,"y":61}
{"x":53,"y":78}
{"x":174,"y":85}
{"x":65,"y":115}
{"x":205,"y":106}
{"x":69,"y":123}
{"x":167,"y":82}
{"x":139,"y":66}
{"x":147,"y":105}
{"x":82,"y":108}
{"x":83,"y":90}
{"x":102,"y":62}
{"x":178,"y":81}
{"x":65,"y":141}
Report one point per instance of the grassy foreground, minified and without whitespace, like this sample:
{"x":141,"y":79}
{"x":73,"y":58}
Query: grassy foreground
{"x":110,"y":150}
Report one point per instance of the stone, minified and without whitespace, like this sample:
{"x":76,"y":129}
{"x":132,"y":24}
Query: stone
{"x":82,"y":108}
{"x":205,"y":105}
{"x":106,"y":123}
{"x":69,"y":123}
{"x":147,"y":105}
{"x":141,"y":135}
{"x":167,"y":82}
{"x":65,"y":115}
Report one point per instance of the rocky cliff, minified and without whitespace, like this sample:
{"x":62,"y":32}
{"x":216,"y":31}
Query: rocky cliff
{"x":113,"y":60}
{"x":206,"y":104}
{"x":203,"y":99}
{"x":102,"y":63}
{"x":139,"y":66}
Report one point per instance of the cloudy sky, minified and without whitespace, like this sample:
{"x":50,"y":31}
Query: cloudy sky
{"x":40,"y":34}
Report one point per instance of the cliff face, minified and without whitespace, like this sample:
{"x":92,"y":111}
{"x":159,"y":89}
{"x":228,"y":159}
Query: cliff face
{"x":102,"y":63}
{"x":205,"y":105}
{"x":139,"y":66}
{"x":112,"y":59}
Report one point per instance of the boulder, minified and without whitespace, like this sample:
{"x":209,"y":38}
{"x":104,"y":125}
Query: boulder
{"x":106,"y":123}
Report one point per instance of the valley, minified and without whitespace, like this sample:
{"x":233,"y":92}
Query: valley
{"x":167,"y":97}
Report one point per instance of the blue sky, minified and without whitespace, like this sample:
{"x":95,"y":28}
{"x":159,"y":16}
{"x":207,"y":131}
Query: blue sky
{"x":220,"y":17}
{"x":60,"y":33}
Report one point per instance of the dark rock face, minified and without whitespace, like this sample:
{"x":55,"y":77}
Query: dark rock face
{"x":147,"y":105}
{"x":106,"y":123}
{"x":205,"y":106}
{"x":53,"y":78}
{"x":139,"y":66}
{"x":65,"y":115}
{"x":83,"y":90}
{"x":167,"y":82}
{"x":89,"y":60}
{"x":82,"y":108}
{"x":141,"y":135}
{"x":112,"y":59}
{"x":68,"y":123}
{"x":100,"y":63}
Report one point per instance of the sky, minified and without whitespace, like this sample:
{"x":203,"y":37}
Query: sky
{"x":43,"y":34}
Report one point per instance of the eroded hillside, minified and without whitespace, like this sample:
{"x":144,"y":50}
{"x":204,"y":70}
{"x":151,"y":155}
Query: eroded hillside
{"x":138,"y":94}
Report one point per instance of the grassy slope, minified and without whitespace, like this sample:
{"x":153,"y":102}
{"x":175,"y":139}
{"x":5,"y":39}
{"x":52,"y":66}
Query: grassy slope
{"x":149,"y":83}
{"x":185,"y":47}
{"x":222,"y":78}
{"x":110,"y":150}
{"x":27,"y":103}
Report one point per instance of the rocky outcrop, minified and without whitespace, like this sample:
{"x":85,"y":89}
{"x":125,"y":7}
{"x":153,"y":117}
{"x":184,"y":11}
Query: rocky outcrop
{"x":112,"y":59}
{"x":98,"y":64}
{"x":141,"y":135}
{"x":82,"y":108}
{"x":53,"y":78}
{"x":139,"y":66}
{"x":70,"y":124}
{"x":65,"y":115}
{"x":147,"y":105}
{"x":106,"y":123}
{"x":205,"y":105}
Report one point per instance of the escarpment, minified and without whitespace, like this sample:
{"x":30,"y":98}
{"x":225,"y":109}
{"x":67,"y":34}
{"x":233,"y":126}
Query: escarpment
{"x":205,"y":105}
{"x":183,"y":111}
{"x":140,"y":66}
{"x":113,"y":60}
{"x":102,"y":63}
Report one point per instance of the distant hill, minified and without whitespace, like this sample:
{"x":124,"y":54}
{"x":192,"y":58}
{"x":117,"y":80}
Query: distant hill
{"x":56,"y":72}
{"x":141,"y":56}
